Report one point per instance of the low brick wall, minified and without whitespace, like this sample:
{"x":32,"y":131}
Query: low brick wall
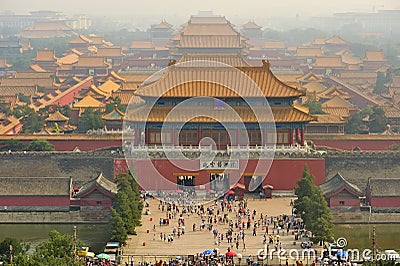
{"x":53,"y":217}
{"x":365,"y":218}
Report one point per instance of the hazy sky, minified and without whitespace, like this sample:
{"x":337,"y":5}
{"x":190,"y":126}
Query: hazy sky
{"x":182,"y":9}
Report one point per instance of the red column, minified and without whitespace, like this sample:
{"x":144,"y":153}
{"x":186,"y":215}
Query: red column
{"x":146,"y":136}
{"x":199,"y":135}
{"x":302,"y":137}
{"x":291,"y":136}
{"x":137,"y":136}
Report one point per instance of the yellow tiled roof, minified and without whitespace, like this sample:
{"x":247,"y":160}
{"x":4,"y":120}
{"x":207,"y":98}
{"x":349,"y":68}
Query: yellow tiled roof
{"x":37,"y":68}
{"x":210,"y":41}
{"x":116,"y":76}
{"x":328,"y":61}
{"x":41,"y":82}
{"x":109,"y":51}
{"x":327,"y":119}
{"x":68,"y":59}
{"x":351,"y":59}
{"x":251,"y":25}
{"x":308,"y":52}
{"x":374,"y":55}
{"x":99,"y":92}
{"x":91,"y":61}
{"x":335,"y":40}
{"x":235,"y":60}
{"x":191,"y":81}
{"x":208,"y":20}
{"x":210,"y":29}
{"x":127,"y":97}
{"x":272,"y":44}
{"x":314,"y":86}
{"x":109,"y":86}
{"x":141,"y":45}
{"x":81,"y":39}
{"x":56,"y":116}
{"x":162,"y":25}
{"x":8,"y":124}
{"x":334,"y":91}
{"x":87,"y":102}
{"x":309,"y":77}
{"x":45,"y":55}
{"x":337,"y":101}
{"x":337,"y":111}
{"x":282,"y":114}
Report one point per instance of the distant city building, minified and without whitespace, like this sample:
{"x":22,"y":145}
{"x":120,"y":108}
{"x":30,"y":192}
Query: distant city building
{"x":47,"y":29}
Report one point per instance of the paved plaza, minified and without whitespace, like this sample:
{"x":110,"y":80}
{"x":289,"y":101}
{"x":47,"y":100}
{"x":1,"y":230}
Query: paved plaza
{"x":147,"y":245}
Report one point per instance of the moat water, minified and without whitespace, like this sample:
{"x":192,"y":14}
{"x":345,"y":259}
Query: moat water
{"x":93,"y":235}
{"x":360,"y":235}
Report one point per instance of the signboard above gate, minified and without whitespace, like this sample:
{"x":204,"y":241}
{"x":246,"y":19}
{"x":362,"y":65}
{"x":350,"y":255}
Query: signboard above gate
{"x":218,"y":164}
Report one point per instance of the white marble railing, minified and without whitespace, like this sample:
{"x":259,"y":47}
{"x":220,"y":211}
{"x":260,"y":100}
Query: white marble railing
{"x":229,"y":149}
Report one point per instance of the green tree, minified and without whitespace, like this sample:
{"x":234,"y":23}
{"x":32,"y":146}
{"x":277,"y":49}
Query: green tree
{"x":115,"y":102}
{"x":40,"y":145}
{"x":377,"y":120}
{"x":32,"y":123}
{"x":127,"y":208}
{"x":314,"y":106}
{"x":23,"y":98}
{"x":5,"y":108}
{"x":90,"y":119}
{"x":56,"y":251}
{"x":13,"y":145}
{"x":17,"y":248}
{"x":313,"y":208}
{"x":22,"y":110}
{"x":380,"y":84}
{"x":118,"y":231}
{"x":356,"y":125}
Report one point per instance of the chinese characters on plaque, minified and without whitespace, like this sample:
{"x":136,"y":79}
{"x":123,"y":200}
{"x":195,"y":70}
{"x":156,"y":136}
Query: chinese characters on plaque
{"x":219,"y":164}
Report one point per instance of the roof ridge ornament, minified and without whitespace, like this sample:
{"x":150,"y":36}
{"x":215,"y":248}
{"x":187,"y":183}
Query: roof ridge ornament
{"x":265,"y":64}
{"x":172,"y":62}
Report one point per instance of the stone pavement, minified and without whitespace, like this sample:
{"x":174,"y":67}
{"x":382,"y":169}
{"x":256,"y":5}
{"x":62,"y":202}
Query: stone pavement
{"x":147,"y":242}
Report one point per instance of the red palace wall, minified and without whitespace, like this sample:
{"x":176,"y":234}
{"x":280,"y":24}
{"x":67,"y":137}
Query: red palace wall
{"x":364,"y":145}
{"x":385,"y":202}
{"x":83,"y":145}
{"x":34,"y":201}
{"x":347,"y":202}
{"x":69,"y":97}
{"x":105,"y":203}
{"x":282,"y":175}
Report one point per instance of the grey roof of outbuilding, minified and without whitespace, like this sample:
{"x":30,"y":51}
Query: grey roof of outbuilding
{"x":35,"y":186}
{"x":337,"y":182}
{"x":100,"y":181}
{"x":384,"y":187}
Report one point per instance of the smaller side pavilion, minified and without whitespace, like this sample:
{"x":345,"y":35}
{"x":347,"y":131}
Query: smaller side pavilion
{"x":340,"y":193}
{"x":98,"y":194}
